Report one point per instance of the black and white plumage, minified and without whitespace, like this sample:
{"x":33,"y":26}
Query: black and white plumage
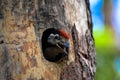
{"x":53,"y":45}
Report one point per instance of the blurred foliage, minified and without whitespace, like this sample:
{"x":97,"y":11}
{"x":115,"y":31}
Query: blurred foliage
{"x":104,"y":38}
{"x":106,"y":53}
{"x":106,"y":12}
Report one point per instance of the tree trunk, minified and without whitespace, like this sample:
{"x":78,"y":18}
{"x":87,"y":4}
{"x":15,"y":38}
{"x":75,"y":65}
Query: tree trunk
{"x":22,"y":23}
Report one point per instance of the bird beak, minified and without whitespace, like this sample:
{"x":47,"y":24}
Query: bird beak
{"x":62,"y":49}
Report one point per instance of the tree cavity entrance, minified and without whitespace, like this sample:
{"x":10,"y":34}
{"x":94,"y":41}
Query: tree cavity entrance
{"x":54,"y":46}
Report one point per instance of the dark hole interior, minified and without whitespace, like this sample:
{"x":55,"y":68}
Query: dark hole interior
{"x":49,"y":55}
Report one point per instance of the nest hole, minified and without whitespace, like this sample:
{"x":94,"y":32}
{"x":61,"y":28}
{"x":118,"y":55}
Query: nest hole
{"x":48,"y":55}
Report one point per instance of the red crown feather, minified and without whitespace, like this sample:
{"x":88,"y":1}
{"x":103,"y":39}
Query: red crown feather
{"x":64,"y":34}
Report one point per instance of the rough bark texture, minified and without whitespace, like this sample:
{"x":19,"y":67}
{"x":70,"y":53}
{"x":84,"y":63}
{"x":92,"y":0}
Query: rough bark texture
{"x":22,"y":23}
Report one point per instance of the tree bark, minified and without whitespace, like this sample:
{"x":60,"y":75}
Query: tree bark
{"x":22,"y":23}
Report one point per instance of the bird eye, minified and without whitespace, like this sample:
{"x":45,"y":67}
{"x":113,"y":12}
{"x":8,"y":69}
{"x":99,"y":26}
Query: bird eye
{"x":56,"y":36}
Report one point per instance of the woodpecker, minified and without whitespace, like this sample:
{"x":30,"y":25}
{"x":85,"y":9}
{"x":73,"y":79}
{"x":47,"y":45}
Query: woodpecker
{"x":55,"y":44}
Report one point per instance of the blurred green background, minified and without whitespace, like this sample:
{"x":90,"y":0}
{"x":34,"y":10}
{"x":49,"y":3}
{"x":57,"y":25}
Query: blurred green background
{"x":106,"y":31}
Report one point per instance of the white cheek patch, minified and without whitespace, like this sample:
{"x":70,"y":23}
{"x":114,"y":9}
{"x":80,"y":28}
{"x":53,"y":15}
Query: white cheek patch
{"x":51,"y":36}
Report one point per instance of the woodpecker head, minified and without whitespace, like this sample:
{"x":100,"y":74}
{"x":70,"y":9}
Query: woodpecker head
{"x":54,"y":43}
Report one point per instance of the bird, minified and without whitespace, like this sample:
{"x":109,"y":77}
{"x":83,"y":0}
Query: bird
{"x":55,"y":44}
